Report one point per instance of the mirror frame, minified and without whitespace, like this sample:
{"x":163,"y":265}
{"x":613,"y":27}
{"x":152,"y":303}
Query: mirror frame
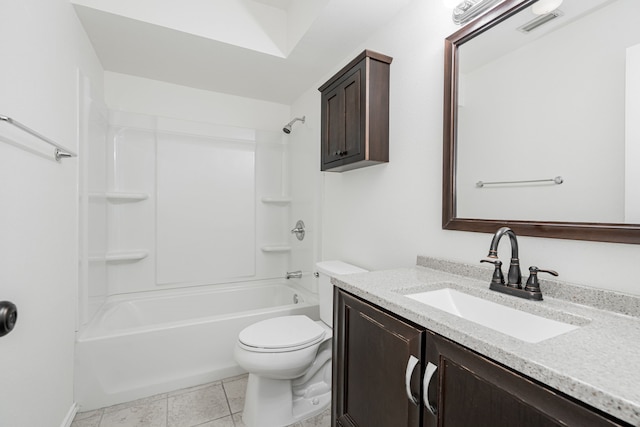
{"x":592,"y":231}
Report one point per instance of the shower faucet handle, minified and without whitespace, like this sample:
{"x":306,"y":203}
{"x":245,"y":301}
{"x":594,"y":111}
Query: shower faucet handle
{"x":299,"y":230}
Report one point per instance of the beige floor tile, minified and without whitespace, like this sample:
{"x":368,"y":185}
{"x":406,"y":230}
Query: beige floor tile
{"x":235,"y":391}
{"x":88,"y":414}
{"x":194,"y":388}
{"x":151,"y":414}
{"x":88,"y":421}
{"x":198,"y":406}
{"x":220,"y":422}
{"x":237,"y":377}
{"x":138,"y":402}
{"x":216,"y":404}
{"x":323,"y":419}
{"x":237,"y":419}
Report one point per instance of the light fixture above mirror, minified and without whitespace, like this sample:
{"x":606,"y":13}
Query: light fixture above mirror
{"x":466,"y":10}
{"x":542,"y":7}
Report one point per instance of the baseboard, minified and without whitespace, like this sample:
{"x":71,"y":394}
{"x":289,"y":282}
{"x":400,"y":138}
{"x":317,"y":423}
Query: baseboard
{"x":70,"y":415}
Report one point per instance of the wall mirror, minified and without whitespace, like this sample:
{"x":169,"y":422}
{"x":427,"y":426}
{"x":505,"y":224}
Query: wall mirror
{"x":542,"y":121}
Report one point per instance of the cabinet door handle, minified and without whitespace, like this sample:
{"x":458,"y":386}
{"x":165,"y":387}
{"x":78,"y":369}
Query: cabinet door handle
{"x":411,"y":365}
{"x":431,"y":369}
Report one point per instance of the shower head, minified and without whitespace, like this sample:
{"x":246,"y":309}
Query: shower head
{"x":287,"y":128}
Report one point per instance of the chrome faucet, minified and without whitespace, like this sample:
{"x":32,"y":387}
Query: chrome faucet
{"x":294,"y":274}
{"x":514,"y":277}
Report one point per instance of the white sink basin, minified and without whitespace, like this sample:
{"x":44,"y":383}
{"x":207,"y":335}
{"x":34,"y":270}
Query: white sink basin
{"x":518,"y":324}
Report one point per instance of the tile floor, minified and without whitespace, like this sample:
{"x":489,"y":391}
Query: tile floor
{"x":217,"y":404}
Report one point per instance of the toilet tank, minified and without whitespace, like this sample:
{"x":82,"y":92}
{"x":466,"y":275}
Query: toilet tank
{"x":327,"y":270}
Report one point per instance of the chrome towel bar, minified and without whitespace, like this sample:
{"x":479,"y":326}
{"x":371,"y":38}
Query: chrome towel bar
{"x":59,"y":153}
{"x":557,"y":180}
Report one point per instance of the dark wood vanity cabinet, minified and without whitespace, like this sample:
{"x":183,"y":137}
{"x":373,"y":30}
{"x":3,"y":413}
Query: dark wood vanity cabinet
{"x":370,"y":354}
{"x":355,"y":114}
{"x":371,"y":366}
{"x":472,"y":390}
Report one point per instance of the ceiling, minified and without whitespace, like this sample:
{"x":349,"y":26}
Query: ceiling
{"x":272,"y":50}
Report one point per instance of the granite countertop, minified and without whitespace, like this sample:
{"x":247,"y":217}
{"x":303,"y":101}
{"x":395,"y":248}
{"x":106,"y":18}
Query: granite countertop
{"x":598,"y":363}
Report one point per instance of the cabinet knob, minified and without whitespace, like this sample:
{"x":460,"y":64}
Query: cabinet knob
{"x":8,"y":317}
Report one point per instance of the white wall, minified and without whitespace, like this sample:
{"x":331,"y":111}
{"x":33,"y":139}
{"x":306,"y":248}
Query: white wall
{"x":305,"y":184}
{"x":632,"y":137}
{"x":377,"y":217}
{"x":44,"y":47}
{"x":383,"y":216}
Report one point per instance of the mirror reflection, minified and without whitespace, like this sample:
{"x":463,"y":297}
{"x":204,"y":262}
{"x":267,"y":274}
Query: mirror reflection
{"x":559,"y":101}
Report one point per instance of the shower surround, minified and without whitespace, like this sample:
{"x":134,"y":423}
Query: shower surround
{"x":177,"y":217}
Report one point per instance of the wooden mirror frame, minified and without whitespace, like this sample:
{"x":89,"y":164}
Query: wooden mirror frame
{"x":593,"y":231}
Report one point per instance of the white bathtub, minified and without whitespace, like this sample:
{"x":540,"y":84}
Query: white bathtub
{"x":139,"y":345}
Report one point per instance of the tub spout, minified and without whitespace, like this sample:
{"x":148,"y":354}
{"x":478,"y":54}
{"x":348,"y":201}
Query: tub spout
{"x":294,"y":274}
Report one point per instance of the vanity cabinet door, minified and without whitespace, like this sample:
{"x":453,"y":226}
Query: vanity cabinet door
{"x":468,"y":389}
{"x":372,"y":350}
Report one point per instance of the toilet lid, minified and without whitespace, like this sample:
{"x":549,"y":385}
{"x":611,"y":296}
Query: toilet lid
{"x":282,"y":332}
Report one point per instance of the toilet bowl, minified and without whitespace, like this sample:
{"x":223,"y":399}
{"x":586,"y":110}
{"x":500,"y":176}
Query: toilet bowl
{"x":289,"y":360}
{"x":281,"y":348}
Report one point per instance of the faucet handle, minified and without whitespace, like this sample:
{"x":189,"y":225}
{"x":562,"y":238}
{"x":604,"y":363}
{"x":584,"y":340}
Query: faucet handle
{"x":532,"y":281}
{"x":498,"y":277}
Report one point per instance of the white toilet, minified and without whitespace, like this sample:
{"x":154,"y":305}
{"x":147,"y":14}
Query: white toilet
{"x":289,"y":360}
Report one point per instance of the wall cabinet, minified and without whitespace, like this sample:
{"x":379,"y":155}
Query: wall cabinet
{"x":355,"y":114}
{"x":389,"y":372}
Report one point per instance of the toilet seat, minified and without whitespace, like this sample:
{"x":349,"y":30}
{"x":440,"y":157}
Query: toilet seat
{"x":281,"y":334}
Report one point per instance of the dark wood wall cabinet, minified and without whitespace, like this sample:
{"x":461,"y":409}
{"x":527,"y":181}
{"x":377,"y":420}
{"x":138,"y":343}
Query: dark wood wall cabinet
{"x":355,"y":114}
{"x":389,"y":372}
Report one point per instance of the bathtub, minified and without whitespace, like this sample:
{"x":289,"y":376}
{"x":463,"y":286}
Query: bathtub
{"x":138,"y":345}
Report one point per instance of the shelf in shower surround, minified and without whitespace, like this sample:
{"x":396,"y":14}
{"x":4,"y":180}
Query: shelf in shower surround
{"x":276,"y":248}
{"x":119,"y":196}
{"x":279,"y":200}
{"x":119,"y":256}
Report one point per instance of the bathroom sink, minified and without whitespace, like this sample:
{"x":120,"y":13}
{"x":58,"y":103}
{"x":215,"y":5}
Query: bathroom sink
{"x":516,"y":323}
